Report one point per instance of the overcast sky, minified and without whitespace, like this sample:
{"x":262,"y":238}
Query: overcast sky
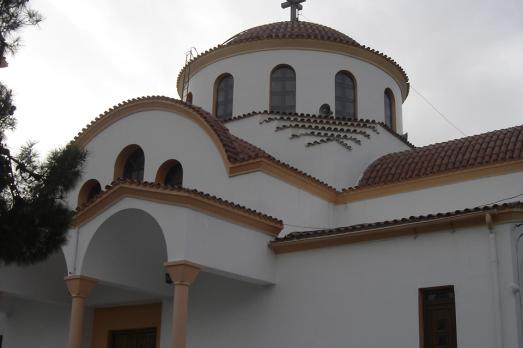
{"x":465,"y":56}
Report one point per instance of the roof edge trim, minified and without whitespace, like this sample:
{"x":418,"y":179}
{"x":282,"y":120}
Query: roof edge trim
{"x":398,"y":228}
{"x":177,"y":196}
{"x":364,"y":53}
{"x":444,"y":178}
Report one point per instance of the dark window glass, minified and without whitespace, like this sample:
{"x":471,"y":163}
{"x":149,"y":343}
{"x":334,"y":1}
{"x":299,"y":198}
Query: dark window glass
{"x":345,"y":91}
{"x":283,"y":89}
{"x":95,"y":190}
{"x":142,"y":338}
{"x":174,"y":176}
{"x":134,"y":165}
{"x":439,"y":317}
{"x":224,"y":96}
{"x":389,"y":108}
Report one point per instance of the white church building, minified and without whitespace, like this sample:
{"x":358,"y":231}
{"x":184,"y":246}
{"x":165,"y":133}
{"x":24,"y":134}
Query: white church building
{"x":278,"y":204}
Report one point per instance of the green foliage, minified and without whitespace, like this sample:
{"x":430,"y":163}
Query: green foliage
{"x":34,"y":218}
{"x":14,"y":14}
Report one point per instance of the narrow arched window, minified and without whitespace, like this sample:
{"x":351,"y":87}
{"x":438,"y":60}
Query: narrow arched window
{"x":390,"y":109}
{"x":130,"y":163}
{"x":223,"y":99}
{"x":345,"y":92}
{"x":283,"y":89}
{"x":90,"y":189}
{"x":133,"y":169}
{"x":170,"y":173}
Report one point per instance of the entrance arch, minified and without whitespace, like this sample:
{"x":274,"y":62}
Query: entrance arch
{"x":128,"y":250}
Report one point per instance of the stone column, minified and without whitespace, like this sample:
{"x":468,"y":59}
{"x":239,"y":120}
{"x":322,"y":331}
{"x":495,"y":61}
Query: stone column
{"x":79,"y":287}
{"x":183,"y":274}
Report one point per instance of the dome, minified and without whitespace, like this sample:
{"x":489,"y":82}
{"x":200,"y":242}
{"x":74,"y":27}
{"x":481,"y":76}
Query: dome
{"x":291,"y":30}
{"x":294,"y":34}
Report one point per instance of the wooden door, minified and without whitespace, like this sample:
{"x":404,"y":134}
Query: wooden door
{"x":142,"y":338}
{"x":439,"y":318}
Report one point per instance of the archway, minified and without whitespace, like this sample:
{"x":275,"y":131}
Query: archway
{"x":128,"y":250}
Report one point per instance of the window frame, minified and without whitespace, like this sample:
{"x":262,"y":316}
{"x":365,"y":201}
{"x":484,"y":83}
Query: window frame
{"x":388,"y":93}
{"x":121,"y":161}
{"x":422,"y":312}
{"x":355,"y":83}
{"x":216,"y":89}
{"x":271,"y":99}
{"x":164,"y":169}
{"x":84,"y":196}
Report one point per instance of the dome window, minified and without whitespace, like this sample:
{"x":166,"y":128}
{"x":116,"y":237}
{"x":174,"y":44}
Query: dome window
{"x":223,"y":96}
{"x":283,"y":89}
{"x":130,"y":163}
{"x":390,"y":109}
{"x":170,"y":173}
{"x":345,"y":91}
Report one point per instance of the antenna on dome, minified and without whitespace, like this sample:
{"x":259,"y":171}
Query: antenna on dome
{"x":295,"y":5}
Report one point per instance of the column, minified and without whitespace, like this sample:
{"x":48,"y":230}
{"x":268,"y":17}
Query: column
{"x":183,"y":274}
{"x":79,"y":287}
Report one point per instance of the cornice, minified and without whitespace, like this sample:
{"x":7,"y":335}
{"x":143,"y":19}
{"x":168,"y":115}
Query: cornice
{"x":364,"y":53}
{"x":193,"y":199}
{"x":501,"y":214}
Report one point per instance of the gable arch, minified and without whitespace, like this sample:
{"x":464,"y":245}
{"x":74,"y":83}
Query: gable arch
{"x":213,"y":128}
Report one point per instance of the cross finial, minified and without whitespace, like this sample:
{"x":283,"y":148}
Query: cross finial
{"x":295,"y":5}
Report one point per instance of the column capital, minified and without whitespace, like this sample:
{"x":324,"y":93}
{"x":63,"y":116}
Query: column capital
{"x":182,"y":272}
{"x":79,"y":285}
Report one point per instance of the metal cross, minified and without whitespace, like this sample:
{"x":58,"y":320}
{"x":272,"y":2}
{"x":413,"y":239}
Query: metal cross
{"x":295,"y":5}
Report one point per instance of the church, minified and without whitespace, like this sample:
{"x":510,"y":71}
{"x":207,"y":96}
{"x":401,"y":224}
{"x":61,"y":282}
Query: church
{"x":278,"y":203}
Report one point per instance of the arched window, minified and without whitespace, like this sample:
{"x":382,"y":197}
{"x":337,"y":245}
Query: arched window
{"x":189,"y":98}
{"x":223,"y":96}
{"x":170,"y":173}
{"x":90,"y":189}
{"x":390,"y":109}
{"x":283,"y":89}
{"x":130,"y":163}
{"x":345,"y":91}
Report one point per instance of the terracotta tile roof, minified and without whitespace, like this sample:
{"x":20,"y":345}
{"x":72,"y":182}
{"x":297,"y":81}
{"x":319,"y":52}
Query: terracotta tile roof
{"x":484,"y":149}
{"x":291,"y":30}
{"x":237,"y":150}
{"x":322,"y":131}
{"x":294,"y":30}
{"x":329,"y":140}
{"x":192,"y":192}
{"x":396,"y":222}
{"x":320,"y":123}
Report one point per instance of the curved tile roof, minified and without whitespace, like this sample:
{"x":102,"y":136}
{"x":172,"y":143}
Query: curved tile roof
{"x":479,"y":150}
{"x":319,"y":123}
{"x":236,"y":149}
{"x":291,"y":30}
{"x":177,"y":190}
{"x":294,"y":236}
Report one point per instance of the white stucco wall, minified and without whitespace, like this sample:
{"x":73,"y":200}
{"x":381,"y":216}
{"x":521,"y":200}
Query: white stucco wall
{"x":36,"y":324}
{"x":124,"y":246}
{"x":438,"y":199}
{"x":330,"y":162}
{"x":165,"y":135}
{"x":315,"y":73}
{"x":361,"y":295}
{"x":518,"y":274}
